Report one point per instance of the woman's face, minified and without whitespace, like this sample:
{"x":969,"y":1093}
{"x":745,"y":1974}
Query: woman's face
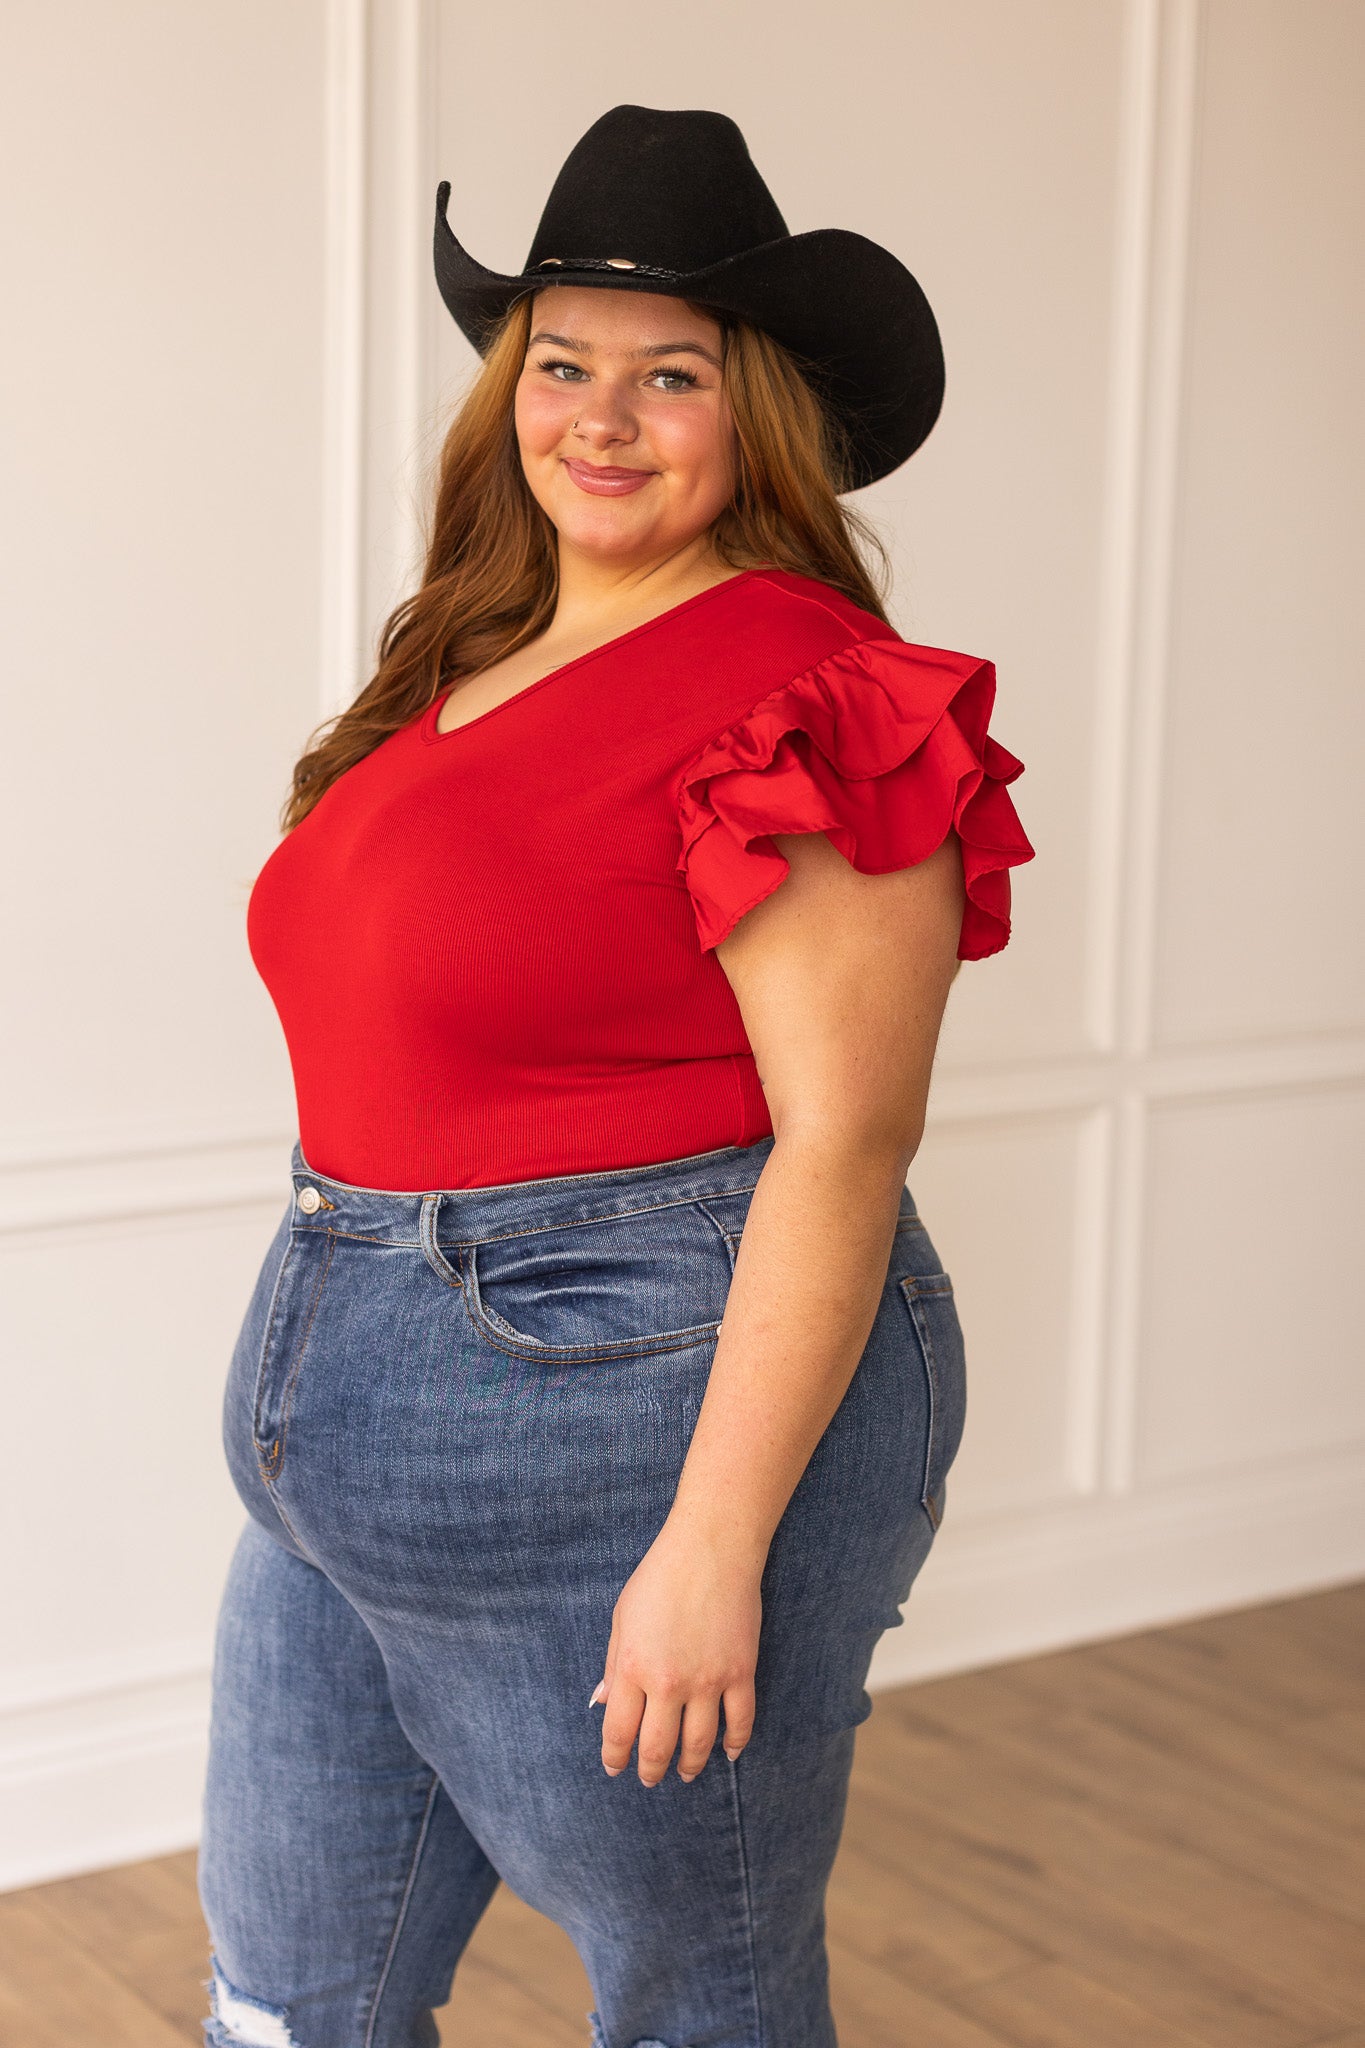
{"x":626,"y":438}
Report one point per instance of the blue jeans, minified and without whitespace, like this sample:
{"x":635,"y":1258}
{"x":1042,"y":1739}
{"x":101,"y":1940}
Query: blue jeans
{"x":457,"y":1421}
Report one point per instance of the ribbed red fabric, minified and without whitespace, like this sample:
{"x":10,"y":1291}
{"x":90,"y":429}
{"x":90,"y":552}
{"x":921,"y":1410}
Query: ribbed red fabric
{"x":492,"y":949}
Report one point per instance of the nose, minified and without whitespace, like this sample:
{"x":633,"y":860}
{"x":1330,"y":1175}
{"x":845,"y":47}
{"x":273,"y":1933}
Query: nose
{"x":605,"y":419}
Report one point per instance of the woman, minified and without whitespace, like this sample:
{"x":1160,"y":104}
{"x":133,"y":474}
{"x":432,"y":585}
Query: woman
{"x":601,"y":1358}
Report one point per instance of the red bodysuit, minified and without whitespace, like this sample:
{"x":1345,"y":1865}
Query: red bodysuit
{"x":491,"y":949}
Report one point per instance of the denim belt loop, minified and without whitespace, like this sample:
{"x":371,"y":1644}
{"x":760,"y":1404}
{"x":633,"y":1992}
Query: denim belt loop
{"x":426,"y":1236}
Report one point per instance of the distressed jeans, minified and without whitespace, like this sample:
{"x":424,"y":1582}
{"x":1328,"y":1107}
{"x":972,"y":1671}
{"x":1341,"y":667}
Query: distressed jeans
{"x":457,"y":1420}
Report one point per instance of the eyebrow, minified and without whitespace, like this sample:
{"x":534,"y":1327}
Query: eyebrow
{"x":657,"y":348}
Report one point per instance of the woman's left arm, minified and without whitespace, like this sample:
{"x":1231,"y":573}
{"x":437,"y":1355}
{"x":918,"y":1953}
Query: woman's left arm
{"x":841,"y":979}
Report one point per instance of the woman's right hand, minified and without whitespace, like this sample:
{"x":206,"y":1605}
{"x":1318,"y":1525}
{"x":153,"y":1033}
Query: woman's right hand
{"x":683,"y":1649}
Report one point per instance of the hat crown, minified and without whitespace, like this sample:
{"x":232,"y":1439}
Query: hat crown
{"x":676,"y":190}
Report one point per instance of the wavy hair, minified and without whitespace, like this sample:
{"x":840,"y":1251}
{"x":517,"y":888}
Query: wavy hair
{"x":490,"y":578}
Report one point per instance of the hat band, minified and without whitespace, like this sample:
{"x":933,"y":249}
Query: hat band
{"x":606,"y":263}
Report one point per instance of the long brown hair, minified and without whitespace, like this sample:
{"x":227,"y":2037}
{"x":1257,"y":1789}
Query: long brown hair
{"x":490,"y":578}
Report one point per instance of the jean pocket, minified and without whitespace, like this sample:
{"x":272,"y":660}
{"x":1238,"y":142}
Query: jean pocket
{"x":617,"y":1286}
{"x":938,"y":1340}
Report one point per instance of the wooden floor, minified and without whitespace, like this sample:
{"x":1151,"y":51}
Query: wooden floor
{"x":1151,"y":1843}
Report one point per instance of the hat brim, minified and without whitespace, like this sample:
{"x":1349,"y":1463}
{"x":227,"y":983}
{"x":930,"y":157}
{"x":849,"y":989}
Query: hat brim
{"x":849,"y":308}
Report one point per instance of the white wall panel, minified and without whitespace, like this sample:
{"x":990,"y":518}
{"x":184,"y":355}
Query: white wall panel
{"x":161,"y":409}
{"x":117,"y":1339}
{"x":1263,"y":833}
{"x":1251,"y":1344}
{"x":1004,"y":1203}
{"x":162,"y":432}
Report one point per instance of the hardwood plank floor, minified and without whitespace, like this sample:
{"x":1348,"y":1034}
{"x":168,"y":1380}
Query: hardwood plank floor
{"x":1155,"y":1842}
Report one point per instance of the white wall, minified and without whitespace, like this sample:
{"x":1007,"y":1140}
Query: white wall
{"x":162,"y":395}
{"x":1138,"y":223}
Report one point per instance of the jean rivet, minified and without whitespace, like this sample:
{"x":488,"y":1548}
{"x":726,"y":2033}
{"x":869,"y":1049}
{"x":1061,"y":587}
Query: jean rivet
{"x":310,"y":1201}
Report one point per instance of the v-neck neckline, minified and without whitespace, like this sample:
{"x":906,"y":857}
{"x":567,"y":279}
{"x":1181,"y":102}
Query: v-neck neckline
{"x":427,"y":725}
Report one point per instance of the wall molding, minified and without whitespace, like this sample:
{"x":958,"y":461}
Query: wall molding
{"x":346,"y":53}
{"x":380,"y":101}
{"x":55,"y":1182}
{"x":402,"y":298}
{"x":1119,"y":590}
{"x":1042,"y":1087}
{"x":61,"y":1189}
{"x":1170,"y":34}
{"x":1161,"y":100}
{"x":103,"y":1774}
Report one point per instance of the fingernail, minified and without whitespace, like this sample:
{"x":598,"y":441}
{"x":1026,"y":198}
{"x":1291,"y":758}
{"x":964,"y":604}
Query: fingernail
{"x":734,"y":1755}
{"x":613,"y":1770}
{"x":687,"y":1776}
{"x":600,"y":1694}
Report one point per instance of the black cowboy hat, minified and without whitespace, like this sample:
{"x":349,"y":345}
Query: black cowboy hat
{"x":655,"y":201}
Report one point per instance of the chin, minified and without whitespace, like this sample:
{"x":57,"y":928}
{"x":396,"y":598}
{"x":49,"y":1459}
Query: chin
{"x":603,"y":531}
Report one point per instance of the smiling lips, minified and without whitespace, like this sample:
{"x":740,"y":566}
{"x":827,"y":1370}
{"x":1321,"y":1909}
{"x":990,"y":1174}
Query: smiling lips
{"x":603,"y":482}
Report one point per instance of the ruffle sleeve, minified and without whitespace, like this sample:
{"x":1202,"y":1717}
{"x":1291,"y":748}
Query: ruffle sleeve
{"x":884,"y":748}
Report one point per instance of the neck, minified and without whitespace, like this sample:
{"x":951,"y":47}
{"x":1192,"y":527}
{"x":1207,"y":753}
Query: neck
{"x":593,"y":588}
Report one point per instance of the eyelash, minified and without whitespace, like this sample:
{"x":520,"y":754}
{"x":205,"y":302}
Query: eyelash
{"x":561,"y":363}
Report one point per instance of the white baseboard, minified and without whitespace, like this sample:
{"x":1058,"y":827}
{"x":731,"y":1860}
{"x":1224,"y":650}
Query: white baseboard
{"x":103,"y":1766}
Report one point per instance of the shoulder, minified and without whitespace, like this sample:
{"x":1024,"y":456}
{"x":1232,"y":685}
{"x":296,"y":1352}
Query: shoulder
{"x":782,"y":626}
{"x":717,"y":658}
{"x":784,"y":642}
{"x":802,"y":620}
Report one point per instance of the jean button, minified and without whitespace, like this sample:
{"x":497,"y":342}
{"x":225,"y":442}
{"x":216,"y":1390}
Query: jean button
{"x":310,"y":1201}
